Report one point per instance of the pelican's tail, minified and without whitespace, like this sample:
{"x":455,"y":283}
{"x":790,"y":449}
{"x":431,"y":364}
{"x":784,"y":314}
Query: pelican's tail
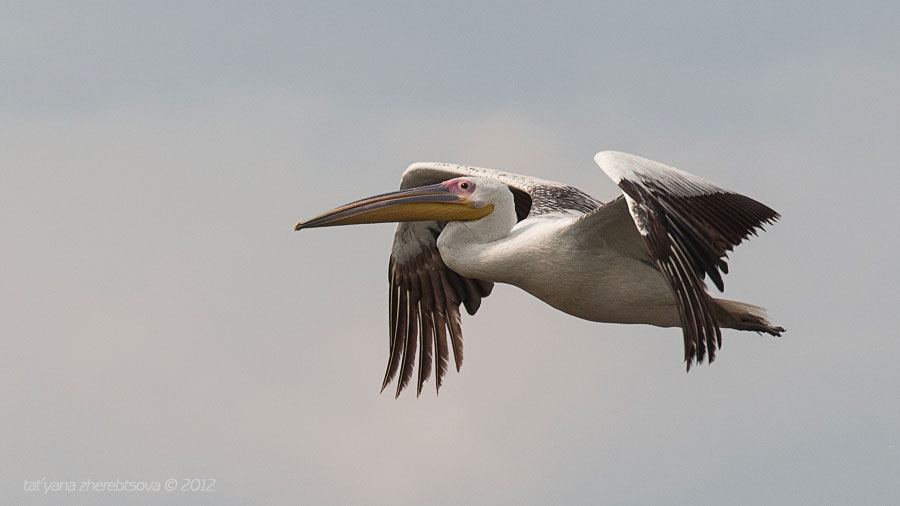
{"x":738,"y":315}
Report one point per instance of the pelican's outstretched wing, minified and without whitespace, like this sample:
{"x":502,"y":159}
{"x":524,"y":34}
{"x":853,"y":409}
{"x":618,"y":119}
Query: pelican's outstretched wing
{"x":425,"y":294}
{"x":688,"y":226}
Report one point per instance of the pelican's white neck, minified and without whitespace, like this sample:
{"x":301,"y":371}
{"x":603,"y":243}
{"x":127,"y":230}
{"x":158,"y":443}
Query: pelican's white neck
{"x":465,"y":245}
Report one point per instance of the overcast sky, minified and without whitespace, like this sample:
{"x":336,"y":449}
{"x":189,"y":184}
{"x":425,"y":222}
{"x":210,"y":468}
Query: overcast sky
{"x":160,"y":318}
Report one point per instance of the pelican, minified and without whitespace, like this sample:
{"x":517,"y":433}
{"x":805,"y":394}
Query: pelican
{"x":640,"y":258}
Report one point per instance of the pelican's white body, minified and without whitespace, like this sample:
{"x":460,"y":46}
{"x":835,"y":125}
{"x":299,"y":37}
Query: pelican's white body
{"x":582,"y":276}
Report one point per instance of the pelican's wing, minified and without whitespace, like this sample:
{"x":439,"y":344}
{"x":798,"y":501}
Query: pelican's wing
{"x":688,"y":226}
{"x":425,"y":294}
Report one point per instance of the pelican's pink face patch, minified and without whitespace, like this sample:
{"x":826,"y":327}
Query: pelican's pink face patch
{"x":460,"y":186}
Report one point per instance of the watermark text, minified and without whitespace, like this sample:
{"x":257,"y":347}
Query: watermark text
{"x":118,"y":485}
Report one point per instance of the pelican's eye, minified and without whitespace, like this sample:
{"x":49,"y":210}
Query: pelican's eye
{"x":460,"y":186}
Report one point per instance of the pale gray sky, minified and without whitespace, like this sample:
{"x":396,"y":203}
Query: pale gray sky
{"x":160,"y":318}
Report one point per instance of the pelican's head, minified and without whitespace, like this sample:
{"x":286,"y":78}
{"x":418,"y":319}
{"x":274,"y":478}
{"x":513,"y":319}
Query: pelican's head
{"x":481,"y":192}
{"x":458,"y":199}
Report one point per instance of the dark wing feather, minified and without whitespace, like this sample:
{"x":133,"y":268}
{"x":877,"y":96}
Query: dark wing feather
{"x":426,"y":331}
{"x":425,"y":294}
{"x":425,"y":298}
{"x":688,"y":226}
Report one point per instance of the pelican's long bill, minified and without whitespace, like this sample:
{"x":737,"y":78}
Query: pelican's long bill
{"x":426,"y":203}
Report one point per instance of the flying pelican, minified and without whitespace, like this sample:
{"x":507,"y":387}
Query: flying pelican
{"x":640,"y":258}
